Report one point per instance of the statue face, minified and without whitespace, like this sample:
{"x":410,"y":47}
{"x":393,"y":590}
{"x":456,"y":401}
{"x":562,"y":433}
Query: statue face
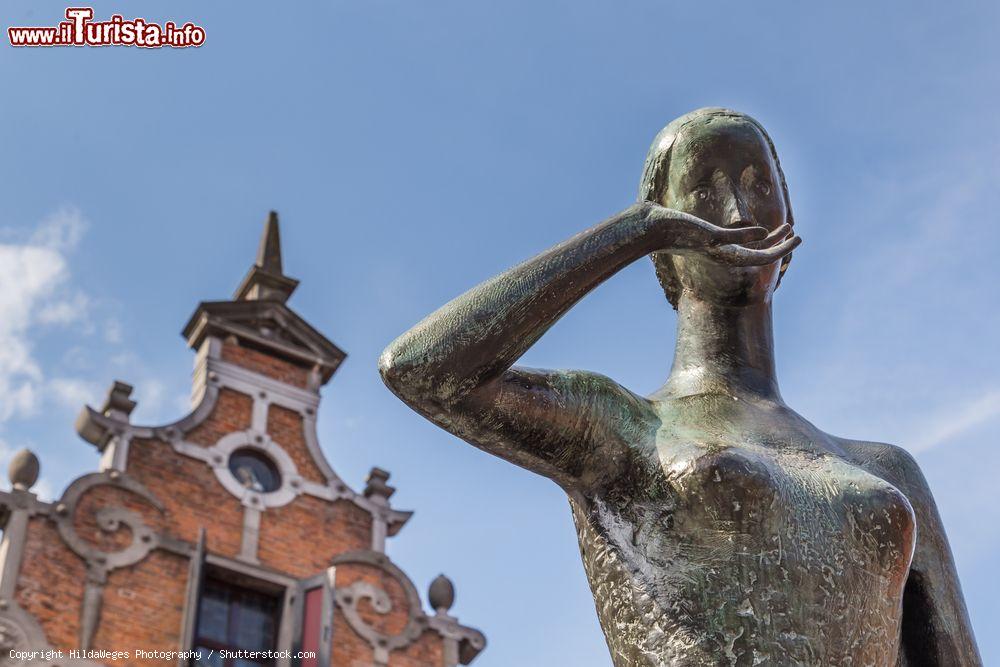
{"x":721,"y":170}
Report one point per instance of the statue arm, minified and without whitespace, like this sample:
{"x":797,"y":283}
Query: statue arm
{"x":936,"y":629}
{"x":456,"y":366}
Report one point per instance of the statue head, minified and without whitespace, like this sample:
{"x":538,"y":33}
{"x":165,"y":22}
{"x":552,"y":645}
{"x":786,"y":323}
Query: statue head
{"x":721,"y":166}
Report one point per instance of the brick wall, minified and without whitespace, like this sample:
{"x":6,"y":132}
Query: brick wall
{"x":265,"y":364}
{"x":143,"y":604}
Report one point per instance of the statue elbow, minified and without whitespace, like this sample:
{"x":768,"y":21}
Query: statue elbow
{"x":407,"y":372}
{"x":402,"y":371}
{"x":391,"y":366}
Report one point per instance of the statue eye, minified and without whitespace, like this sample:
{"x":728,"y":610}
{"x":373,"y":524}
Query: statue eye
{"x":763,"y":187}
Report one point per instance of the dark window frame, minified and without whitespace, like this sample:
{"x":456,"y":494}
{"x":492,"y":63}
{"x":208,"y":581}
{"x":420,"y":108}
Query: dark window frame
{"x":244,"y":587}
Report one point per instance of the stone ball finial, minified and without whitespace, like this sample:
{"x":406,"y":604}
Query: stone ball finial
{"x":23,"y":470}
{"x":441,"y":594}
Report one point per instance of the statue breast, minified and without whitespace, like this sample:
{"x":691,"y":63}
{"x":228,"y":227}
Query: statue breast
{"x":747,"y":554}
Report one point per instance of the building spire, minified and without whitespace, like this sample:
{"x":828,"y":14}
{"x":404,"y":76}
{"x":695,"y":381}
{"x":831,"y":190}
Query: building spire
{"x":269,"y":252}
{"x":258,"y":317}
{"x":266,"y":280}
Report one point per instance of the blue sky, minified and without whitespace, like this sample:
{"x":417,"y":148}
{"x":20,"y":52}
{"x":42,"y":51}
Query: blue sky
{"x":415,"y":149}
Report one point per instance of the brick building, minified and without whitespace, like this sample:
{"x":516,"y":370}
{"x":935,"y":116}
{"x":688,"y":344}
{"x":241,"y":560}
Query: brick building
{"x":227,"y":529}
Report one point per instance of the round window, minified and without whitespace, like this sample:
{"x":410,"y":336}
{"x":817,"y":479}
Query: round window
{"x":254,"y":470}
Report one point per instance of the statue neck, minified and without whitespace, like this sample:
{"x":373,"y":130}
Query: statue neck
{"x":723,"y":350}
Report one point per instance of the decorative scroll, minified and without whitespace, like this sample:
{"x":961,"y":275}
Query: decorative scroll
{"x":19,"y":631}
{"x":12,"y":638}
{"x":349,"y":596}
{"x":111,"y":520}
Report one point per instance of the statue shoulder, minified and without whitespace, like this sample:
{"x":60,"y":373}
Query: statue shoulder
{"x":891,"y":462}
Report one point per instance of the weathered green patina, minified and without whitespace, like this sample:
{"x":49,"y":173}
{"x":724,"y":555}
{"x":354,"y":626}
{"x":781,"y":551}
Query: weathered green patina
{"x":717,"y":526}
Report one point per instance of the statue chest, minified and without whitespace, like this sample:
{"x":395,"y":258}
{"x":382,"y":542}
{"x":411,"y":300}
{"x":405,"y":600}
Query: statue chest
{"x":785,"y":555}
{"x":802,"y":504}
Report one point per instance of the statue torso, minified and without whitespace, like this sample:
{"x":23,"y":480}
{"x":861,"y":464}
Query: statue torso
{"x":759,"y":543}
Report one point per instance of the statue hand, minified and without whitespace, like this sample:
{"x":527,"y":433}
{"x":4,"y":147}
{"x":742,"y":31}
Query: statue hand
{"x":771,"y":248}
{"x":682,"y":233}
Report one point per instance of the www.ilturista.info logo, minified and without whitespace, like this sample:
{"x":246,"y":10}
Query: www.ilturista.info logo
{"x":80,"y":30}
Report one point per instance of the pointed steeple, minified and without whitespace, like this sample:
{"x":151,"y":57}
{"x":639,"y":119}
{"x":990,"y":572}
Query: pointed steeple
{"x":266,"y":280}
{"x":258,"y":316}
{"x":269,"y":252}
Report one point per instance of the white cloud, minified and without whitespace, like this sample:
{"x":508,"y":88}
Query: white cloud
{"x":73,"y":393}
{"x":34,"y":274}
{"x":125,"y":360}
{"x":903,"y":310}
{"x":29,"y":275}
{"x":44,"y":489}
{"x":113,"y":331}
{"x":158,"y":401}
{"x":958,"y":420}
{"x":65,"y":311}
{"x":60,"y":231}
{"x":150,"y":393}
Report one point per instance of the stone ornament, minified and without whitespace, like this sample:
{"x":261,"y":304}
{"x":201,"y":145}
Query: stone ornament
{"x":19,"y":631}
{"x":12,"y":638}
{"x":109,"y":519}
{"x":290,"y":480}
{"x":462,"y":643}
{"x":349,"y":596}
{"x":441,"y":594}
{"x":22,"y":471}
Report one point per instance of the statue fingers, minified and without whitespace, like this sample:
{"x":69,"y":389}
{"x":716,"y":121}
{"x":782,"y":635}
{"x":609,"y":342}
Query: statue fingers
{"x":772,"y":239}
{"x":740,"y":235}
{"x":737,"y":255}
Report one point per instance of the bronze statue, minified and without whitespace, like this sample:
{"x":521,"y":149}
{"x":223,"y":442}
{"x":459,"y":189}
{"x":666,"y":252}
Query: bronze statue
{"x":716,"y":525}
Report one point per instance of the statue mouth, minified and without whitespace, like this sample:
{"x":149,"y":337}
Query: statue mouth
{"x":774,"y":237}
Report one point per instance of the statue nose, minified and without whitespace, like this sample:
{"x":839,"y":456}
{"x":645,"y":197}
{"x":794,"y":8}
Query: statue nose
{"x":739,"y":215}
